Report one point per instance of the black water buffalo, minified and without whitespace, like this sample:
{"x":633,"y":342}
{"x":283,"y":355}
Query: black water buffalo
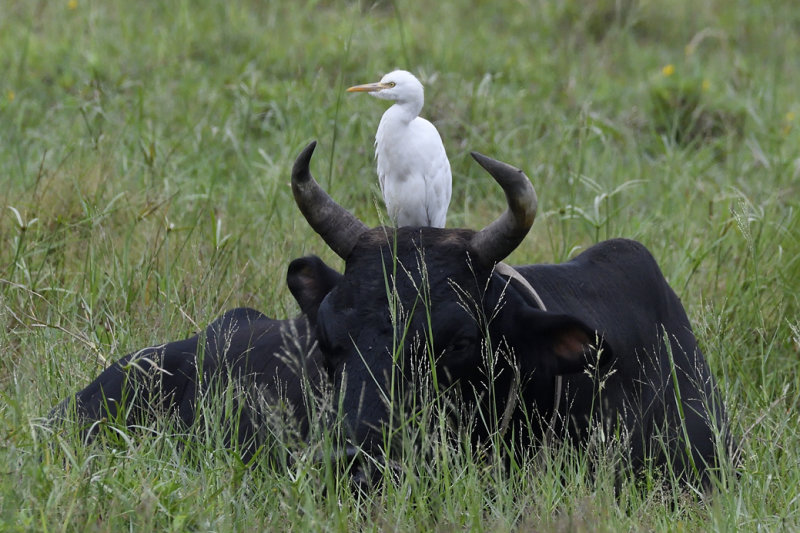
{"x":611,"y":350}
{"x":274,"y":365}
{"x":613,"y":330}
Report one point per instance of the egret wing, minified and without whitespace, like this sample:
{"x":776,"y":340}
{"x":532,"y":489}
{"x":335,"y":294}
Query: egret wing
{"x":436,"y":173}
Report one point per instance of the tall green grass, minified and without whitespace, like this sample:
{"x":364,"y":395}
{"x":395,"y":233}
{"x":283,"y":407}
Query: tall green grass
{"x":145,"y":150}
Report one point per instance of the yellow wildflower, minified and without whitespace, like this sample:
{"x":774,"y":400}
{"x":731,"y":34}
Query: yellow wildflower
{"x":72,"y":4}
{"x":668,"y":70}
{"x":788,"y":118}
{"x":11,"y":95}
{"x":706,"y":85}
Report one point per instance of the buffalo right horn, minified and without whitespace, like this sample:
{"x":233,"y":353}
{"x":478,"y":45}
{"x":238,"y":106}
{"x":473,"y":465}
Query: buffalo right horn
{"x":494,"y":242}
{"x":338,"y":227}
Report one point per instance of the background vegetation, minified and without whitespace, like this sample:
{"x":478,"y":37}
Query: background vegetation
{"x":145,"y":151}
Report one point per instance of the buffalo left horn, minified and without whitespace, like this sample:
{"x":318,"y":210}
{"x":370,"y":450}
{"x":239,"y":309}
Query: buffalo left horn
{"x":338,"y":227}
{"x":494,"y":242}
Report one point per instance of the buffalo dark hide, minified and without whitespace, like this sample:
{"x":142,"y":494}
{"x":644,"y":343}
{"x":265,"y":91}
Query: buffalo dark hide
{"x":613,"y":329}
{"x":272,"y":364}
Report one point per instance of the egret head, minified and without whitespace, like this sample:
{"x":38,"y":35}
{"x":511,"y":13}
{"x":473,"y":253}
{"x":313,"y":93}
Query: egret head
{"x":400,"y":86}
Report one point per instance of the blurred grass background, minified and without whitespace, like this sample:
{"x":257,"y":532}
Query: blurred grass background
{"x":145,"y":152}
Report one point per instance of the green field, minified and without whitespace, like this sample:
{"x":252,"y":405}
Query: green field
{"x":145,"y":151}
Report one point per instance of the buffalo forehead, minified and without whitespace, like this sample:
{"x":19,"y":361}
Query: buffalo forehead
{"x":382,"y":251}
{"x":444,"y":251}
{"x":413,"y":238}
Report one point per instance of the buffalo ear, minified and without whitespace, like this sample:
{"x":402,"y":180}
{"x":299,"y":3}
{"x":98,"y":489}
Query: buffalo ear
{"x":310,"y":280}
{"x":566,"y":345}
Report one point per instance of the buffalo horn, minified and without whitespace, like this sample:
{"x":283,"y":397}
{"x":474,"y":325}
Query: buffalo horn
{"x":338,"y":227}
{"x":494,"y":242}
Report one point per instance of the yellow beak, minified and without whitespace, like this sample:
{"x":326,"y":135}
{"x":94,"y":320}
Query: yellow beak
{"x":368,"y":87}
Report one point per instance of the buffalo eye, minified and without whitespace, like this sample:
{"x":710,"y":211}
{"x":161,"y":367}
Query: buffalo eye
{"x":458,"y":350}
{"x":459,"y":345}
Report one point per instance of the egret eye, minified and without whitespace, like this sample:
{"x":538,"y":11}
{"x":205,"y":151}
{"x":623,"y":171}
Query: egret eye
{"x":391,"y":84}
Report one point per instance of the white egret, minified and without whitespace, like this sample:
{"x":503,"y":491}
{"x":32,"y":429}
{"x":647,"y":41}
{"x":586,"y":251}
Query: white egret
{"x":413,"y":168}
